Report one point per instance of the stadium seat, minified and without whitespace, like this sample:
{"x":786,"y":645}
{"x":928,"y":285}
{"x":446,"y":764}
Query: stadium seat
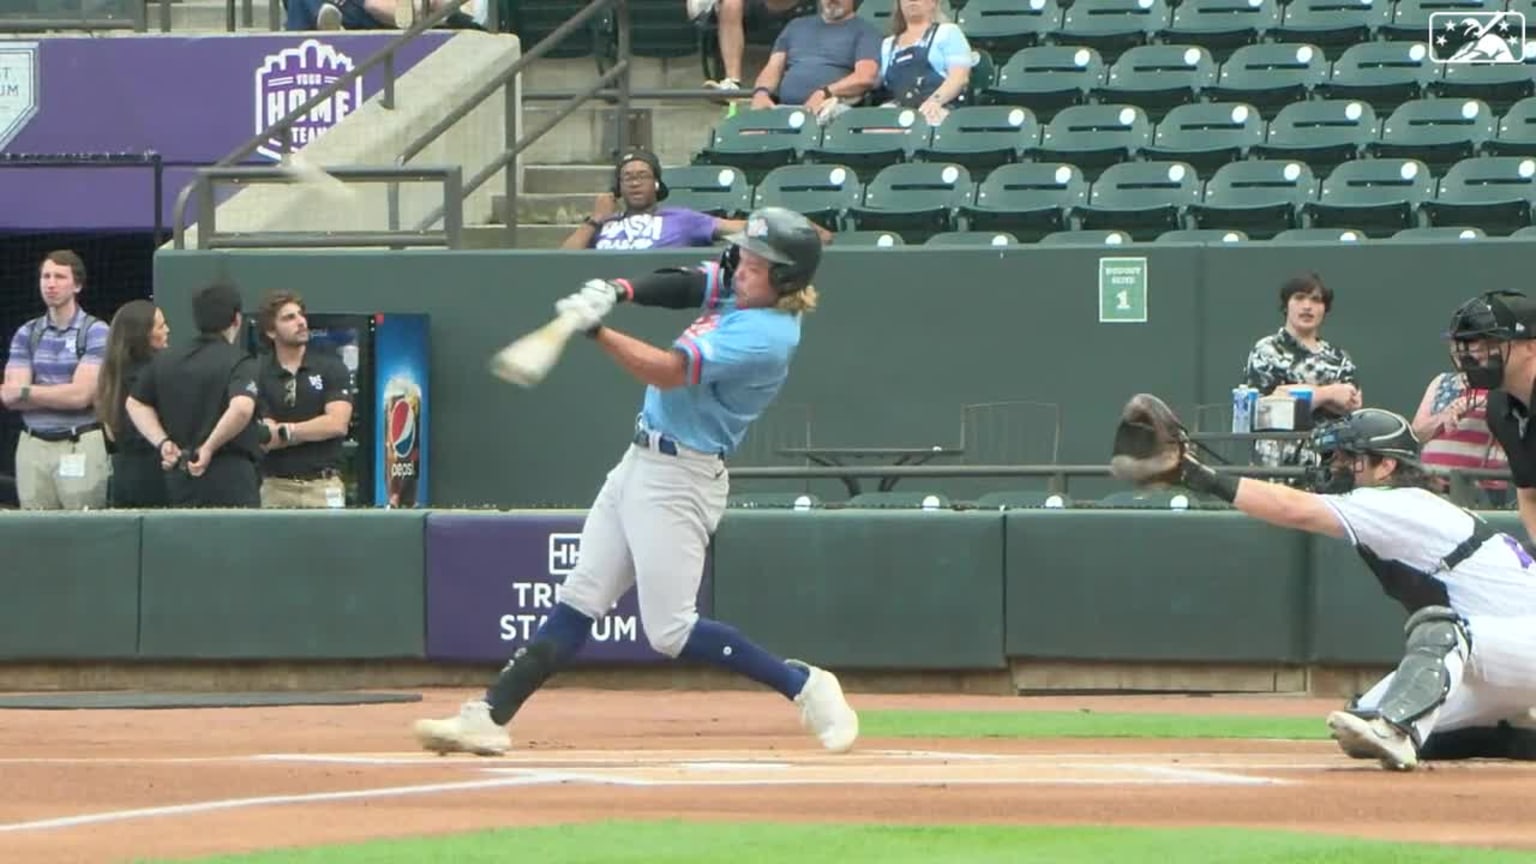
{"x":719,"y":189}
{"x":1525,"y":233}
{"x":1159,"y":77}
{"x":773,"y":501}
{"x":1147,"y":499}
{"x":1222,"y":26}
{"x":867,"y":238}
{"x":983,"y":137}
{"x":1385,"y":74}
{"x":1378,"y":196}
{"x":1028,"y":199}
{"x":1501,"y":85}
{"x":1437,"y":132}
{"x":1444,"y":232}
{"x":983,"y":72}
{"x":1086,"y":238}
{"x":822,"y":193}
{"x":913,"y":199}
{"x":660,"y":28}
{"x":1323,"y":133}
{"x":1112,"y":26}
{"x":879,"y":13}
{"x":1094,"y":137}
{"x":1332,"y":24}
{"x":1270,"y":77}
{"x":1203,"y":235}
{"x":972,"y":238}
{"x":1320,"y":235}
{"x":1048,"y":78}
{"x":1409,"y":21}
{"x":1144,"y":199}
{"x":1022,"y":499}
{"x":893,"y":499}
{"x":1259,"y":197}
{"x":1208,"y":135}
{"x":759,"y":141}
{"x":1006,"y":26}
{"x":534,"y":20}
{"x":868,"y":139}
{"x":1496,"y":193}
{"x":1517,"y":130}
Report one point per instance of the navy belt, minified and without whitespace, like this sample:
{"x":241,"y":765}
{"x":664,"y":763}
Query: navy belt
{"x":663,"y":443}
{"x":73,"y":433}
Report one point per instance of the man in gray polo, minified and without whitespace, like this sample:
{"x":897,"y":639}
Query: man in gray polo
{"x":825,"y":62}
{"x":61,"y":458}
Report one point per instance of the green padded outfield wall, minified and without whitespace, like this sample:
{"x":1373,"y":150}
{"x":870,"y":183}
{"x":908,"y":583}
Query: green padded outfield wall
{"x":71,"y":585}
{"x":905,"y":337}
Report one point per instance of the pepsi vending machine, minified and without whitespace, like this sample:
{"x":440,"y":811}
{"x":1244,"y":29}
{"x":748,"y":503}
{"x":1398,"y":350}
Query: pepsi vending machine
{"x":384,"y":455}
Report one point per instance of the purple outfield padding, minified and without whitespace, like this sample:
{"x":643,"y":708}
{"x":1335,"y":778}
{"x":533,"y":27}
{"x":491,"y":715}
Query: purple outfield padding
{"x":491,"y":582}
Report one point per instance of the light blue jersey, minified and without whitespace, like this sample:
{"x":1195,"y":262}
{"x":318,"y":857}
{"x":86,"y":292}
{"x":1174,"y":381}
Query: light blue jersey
{"x":738,"y":359}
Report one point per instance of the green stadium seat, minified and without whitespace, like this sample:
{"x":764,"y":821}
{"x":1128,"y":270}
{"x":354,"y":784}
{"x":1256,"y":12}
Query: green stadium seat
{"x":1378,"y":196}
{"x":534,"y":20}
{"x":1022,"y":499}
{"x":982,"y":137}
{"x":759,"y":141}
{"x":1112,"y":26}
{"x":1259,"y":197}
{"x":1332,"y":24}
{"x":1048,"y":78}
{"x":1517,"y":131}
{"x":983,"y":73}
{"x":1497,"y":193}
{"x":1027,"y":199}
{"x":1410,"y":18}
{"x":901,"y":500}
{"x":1501,"y":85}
{"x":1006,"y":26}
{"x":1148,"y":499}
{"x":822,"y":193}
{"x":773,"y":501}
{"x":914,"y":199}
{"x":1093,"y":137}
{"x":1159,"y":77}
{"x":1321,"y":235}
{"x":1144,"y":199}
{"x":1437,"y":132}
{"x":1323,"y":133}
{"x":972,"y":238}
{"x":1270,"y":76}
{"x":879,"y":12}
{"x":1203,"y":235}
{"x":1439,"y":232}
{"x":868,"y":139}
{"x":1526,"y":233}
{"x":719,"y":189}
{"x":660,"y":28}
{"x":1222,"y":26}
{"x":1385,"y":74}
{"x":867,"y":238}
{"x":1208,"y":135}
{"x":1086,"y":238}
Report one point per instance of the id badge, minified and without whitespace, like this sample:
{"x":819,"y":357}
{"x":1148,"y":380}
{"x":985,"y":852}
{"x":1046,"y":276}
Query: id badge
{"x":335,"y":498}
{"x":72,"y":466}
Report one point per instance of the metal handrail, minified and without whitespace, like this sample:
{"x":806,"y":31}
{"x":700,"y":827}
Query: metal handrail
{"x":451,"y":236}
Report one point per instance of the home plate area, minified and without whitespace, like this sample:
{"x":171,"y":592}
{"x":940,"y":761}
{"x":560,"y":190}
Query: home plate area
{"x":875,"y":767}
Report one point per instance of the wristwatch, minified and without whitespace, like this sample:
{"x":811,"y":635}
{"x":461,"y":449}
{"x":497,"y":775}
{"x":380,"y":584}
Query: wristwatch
{"x":283,"y":434}
{"x":26,"y":390}
{"x":826,"y":91}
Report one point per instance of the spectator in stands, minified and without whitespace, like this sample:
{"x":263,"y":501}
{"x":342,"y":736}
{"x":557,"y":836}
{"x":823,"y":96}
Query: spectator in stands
{"x":50,"y":378}
{"x":732,"y":18}
{"x":826,"y":62}
{"x":1452,"y":424}
{"x":926,"y":61}
{"x":375,"y":14}
{"x":138,"y":332}
{"x":644,"y":223}
{"x":1296,"y":355}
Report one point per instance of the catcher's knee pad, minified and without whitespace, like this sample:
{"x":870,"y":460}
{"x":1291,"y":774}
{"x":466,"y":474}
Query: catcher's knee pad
{"x":1422,"y":680}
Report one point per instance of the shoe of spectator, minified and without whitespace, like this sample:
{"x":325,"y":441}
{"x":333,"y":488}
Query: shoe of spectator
{"x":697,"y":9}
{"x":328,"y":17}
{"x":729,"y":88}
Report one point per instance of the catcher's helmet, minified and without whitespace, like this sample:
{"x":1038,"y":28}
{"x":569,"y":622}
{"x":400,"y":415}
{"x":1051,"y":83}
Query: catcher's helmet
{"x":784,"y":237}
{"x":1373,"y":431}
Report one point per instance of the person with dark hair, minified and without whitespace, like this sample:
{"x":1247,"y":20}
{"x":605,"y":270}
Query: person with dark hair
{"x":195,"y":405}
{"x":138,"y":333}
{"x":1297,"y":356}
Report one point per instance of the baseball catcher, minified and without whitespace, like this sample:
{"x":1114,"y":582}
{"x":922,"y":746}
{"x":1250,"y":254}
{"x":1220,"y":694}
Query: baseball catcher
{"x":1467,"y":678}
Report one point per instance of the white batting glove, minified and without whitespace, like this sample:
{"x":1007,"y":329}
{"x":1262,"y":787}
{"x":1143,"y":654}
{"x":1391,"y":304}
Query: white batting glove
{"x":602,"y":293}
{"x":585,"y":314}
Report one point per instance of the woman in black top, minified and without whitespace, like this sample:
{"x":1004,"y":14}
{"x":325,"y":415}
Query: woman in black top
{"x":138,"y":332}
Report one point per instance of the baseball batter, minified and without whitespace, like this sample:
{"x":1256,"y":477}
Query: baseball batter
{"x":650,"y":525}
{"x":1470,"y":591}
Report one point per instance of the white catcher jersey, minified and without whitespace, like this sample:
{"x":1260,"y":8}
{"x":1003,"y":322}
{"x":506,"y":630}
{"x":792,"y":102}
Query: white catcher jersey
{"x":1417,"y":528}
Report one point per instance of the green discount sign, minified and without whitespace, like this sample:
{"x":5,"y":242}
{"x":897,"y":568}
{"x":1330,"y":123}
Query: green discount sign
{"x":1123,"y":290}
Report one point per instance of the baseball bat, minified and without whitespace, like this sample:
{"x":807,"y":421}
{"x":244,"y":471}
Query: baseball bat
{"x":526,"y":361}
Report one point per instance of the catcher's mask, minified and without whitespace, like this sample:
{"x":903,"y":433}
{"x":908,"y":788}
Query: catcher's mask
{"x":1485,"y":325}
{"x":1366,"y":432}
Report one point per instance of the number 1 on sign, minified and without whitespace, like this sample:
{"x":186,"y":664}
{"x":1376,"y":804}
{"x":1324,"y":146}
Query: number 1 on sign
{"x":1123,"y":301}
{"x":1122,"y":290}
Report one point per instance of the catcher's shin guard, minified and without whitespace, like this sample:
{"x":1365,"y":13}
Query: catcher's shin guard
{"x":1422,"y":681}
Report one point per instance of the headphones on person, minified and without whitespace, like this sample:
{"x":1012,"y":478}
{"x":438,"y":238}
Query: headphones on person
{"x":648,"y":158}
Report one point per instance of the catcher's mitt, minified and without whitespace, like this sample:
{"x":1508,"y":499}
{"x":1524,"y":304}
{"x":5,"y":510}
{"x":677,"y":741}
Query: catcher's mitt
{"x":1150,"y":443}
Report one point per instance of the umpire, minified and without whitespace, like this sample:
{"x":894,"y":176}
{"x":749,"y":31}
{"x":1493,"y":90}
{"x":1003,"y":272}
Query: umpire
{"x":196,"y":403}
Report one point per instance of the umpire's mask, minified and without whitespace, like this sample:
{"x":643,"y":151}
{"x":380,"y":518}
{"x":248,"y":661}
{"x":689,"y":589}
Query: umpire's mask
{"x":1480,"y":332}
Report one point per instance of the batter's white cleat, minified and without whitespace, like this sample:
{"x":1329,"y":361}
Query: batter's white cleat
{"x":1377,"y":739}
{"x":470,"y":731}
{"x":825,"y":711}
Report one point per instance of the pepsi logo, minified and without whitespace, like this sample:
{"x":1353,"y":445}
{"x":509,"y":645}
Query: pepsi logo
{"x":401,"y":428}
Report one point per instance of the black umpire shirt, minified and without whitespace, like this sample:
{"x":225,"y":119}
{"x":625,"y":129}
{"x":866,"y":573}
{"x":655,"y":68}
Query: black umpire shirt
{"x":1509,"y":421}
{"x":190,"y":386}
{"x":293,"y":397}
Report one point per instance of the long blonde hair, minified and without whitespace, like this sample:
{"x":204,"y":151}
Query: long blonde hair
{"x":899,"y":19}
{"x":803,"y":300}
{"x":127,"y":344}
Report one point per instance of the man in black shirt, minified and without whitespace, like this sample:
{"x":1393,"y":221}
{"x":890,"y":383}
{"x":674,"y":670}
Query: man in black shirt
{"x":305,"y":400}
{"x":195,"y":404}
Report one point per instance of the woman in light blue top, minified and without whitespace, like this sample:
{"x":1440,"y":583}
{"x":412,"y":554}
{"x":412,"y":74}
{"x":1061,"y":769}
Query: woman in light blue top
{"x":926,"y":61}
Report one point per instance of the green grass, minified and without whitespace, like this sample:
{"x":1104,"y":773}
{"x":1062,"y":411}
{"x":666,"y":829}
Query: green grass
{"x":1081,"y":724}
{"x":759,"y":843}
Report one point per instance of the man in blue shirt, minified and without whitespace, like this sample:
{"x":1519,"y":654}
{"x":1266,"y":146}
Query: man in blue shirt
{"x":650,"y":525}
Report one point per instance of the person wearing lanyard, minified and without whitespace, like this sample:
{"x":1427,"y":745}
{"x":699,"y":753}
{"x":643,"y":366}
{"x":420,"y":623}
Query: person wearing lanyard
{"x":926,"y":62}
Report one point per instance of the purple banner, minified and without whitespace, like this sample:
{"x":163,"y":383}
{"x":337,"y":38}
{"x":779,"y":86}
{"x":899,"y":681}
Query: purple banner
{"x":192,"y":99}
{"x":491,"y":582}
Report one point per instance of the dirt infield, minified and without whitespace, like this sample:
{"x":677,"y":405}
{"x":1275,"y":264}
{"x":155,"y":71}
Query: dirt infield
{"x":109,"y":786}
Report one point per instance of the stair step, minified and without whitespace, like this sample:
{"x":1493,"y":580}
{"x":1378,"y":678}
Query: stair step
{"x":587,"y":180}
{"x":544,"y":208}
{"x":528,"y":236}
